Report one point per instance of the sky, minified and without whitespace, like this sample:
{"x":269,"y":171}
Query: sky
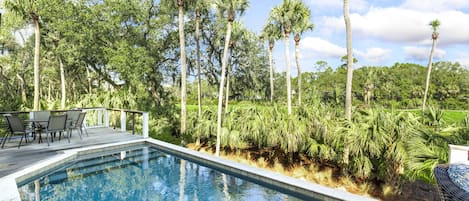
{"x":384,"y":32}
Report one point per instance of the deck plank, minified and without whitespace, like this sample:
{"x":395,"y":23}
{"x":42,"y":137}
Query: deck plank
{"x":13,"y":159}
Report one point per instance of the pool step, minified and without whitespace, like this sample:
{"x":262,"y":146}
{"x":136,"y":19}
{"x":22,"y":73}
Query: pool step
{"x":101,"y":164}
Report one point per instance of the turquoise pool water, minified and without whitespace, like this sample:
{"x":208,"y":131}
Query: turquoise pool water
{"x":143,"y":173}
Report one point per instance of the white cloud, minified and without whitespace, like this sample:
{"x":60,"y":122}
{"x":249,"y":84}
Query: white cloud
{"x":323,"y":49}
{"x":422,"y":53}
{"x":375,"y":54}
{"x":404,"y":25}
{"x":356,"y":5}
{"x":463,"y":59}
{"x":435,"y":5}
{"x":320,"y":48}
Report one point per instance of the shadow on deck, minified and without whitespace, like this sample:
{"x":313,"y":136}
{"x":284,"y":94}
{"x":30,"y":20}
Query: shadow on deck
{"x":13,"y":159}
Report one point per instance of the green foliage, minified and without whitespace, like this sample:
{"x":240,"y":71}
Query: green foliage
{"x":376,"y":144}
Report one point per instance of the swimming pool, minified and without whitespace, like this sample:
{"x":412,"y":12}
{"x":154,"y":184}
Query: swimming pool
{"x":142,"y":173}
{"x":134,"y":154}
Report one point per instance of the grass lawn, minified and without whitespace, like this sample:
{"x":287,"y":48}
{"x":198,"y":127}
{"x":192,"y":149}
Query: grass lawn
{"x":449,"y":116}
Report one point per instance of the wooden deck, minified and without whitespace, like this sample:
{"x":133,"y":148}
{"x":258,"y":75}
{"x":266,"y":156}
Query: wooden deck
{"x":13,"y":159}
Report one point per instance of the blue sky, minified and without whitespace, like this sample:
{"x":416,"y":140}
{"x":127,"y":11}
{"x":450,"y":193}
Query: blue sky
{"x":384,"y":31}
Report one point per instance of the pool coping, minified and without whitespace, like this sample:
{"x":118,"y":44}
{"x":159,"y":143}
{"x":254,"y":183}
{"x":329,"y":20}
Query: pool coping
{"x":8,"y":184}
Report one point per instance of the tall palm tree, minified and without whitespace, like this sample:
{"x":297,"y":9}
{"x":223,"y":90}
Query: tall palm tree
{"x":348,"y":85}
{"x":271,"y":33}
{"x":180,"y":4}
{"x":28,"y":10}
{"x":237,"y":34}
{"x":200,"y":8}
{"x":227,"y":8}
{"x":284,"y":15}
{"x":435,"y":24}
{"x":301,"y":24}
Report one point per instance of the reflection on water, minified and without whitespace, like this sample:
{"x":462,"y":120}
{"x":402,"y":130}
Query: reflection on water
{"x":143,"y":174}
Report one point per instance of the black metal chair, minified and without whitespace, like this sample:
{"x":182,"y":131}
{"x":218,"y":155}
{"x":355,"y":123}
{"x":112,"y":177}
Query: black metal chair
{"x":56,"y":123}
{"x":16,"y":126}
{"x":446,"y":188}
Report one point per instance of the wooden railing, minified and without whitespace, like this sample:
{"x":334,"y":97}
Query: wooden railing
{"x":107,"y":117}
{"x":100,"y":117}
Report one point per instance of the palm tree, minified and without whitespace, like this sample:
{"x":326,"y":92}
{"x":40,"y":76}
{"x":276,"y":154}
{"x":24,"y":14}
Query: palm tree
{"x":435,"y":24}
{"x":228,"y":8}
{"x":237,"y":34}
{"x":180,"y":4}
{"x":302,"y":24}
{"x":348,"y":85}
{"x":28,"y":10}
{"x":284,"y":16}
{"x":271,"y":33}
{"x":200,"y":7}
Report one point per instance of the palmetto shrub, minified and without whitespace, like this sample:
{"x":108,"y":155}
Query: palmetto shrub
{"x":377,"y":143}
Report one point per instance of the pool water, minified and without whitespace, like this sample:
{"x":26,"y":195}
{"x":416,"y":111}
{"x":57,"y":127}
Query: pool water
{"x":143,"y":173}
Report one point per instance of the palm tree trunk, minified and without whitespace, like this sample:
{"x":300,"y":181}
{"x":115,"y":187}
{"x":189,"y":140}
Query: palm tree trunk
{"x":62,"y":83}
{"x":36,"y":64}
{"x":271,"y":65}
{"x":222,"y":83}
{"x":429,"y":71}
{"x":297,"y":59}
{"x":183,"y":69}
{"x":88,"y":75}
{"x":228,"y":81}
{"x":348,"y":86}
{"x":22,"y":88}
{"x":197,"y":62}
{"x":227,"y":90}
{"x":287,"y":58}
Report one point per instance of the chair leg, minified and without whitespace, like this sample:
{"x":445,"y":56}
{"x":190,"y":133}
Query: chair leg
{"x":85,"y":131}
{"x":1,"y":141}
{"x":47,"y":138}
{"x":80,"y":133}
{"x":5,"y":140}
{"x":69,"y":135}
{"x":21,"y":140}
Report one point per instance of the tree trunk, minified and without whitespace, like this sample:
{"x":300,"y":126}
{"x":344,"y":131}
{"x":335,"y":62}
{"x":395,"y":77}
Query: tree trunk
{"x":429,"y":71}
{"x":227,"y":90}
{"x":228,"y":81}
{"x":183,"y":69}
{"x":348,"y":86}
{"x":287,"y":58}
{"x":62,"y":83}
{"x":222,"y":83}
{"x":22,"y":88}
{"x":88,"y":75}
{"x":197,"y":62}
{"x":271,"y":65}
{"x":36,"y":64}
{"x":297,"y":60}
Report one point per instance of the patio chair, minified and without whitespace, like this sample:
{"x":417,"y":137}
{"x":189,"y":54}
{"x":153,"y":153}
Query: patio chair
{"x":72,"y":116}
{"x":446,"y":188}
{"x":41,"y":116}
{"x":56,"y":123}
{"x":16,"y":126}
{"x":40,"y":119}
{"x":78,"y":125}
